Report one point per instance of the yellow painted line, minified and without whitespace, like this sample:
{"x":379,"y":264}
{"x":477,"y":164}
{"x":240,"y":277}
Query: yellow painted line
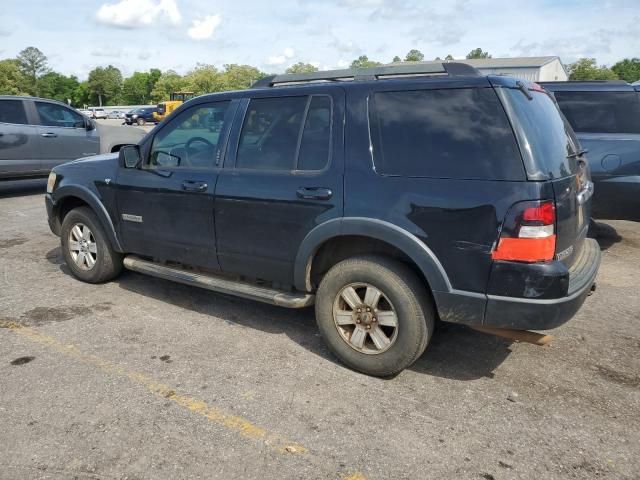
{"x":355,"y":476}
{"x":227,"y":420}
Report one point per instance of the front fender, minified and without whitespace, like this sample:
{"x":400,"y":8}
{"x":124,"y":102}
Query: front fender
{"x":90,"y":198}
{"x":387,"y":232}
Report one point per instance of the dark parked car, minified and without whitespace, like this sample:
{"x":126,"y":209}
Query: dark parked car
{"x":37,"y":134}
{"x":140,"y":116}
{"x":606,"y":119}
{"x":389,"y":202}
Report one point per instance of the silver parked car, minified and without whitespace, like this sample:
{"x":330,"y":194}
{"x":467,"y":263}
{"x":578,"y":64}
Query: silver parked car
{"x":37,"y":134}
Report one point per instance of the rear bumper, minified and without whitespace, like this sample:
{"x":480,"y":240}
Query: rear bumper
{"x":547,"y":313}
{"x":520,"y":313}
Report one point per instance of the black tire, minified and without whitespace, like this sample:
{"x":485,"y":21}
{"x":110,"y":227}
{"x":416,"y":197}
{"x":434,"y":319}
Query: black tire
{"x":108,"y":263}
{"x":404,"y":290}
{"x":141,"y":121}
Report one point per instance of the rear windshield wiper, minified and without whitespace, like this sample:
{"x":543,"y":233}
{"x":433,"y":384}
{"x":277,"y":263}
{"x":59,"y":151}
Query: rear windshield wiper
{"x":523,"y":88}
{"x":578,"y":154}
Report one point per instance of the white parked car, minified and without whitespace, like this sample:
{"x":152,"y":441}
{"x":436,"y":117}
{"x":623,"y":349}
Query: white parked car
{"x":98,"y":113}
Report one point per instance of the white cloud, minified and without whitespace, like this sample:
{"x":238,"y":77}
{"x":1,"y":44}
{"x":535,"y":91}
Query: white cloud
{"x":280,"y":59}
{"x":139,"y":13}
{"x":107,"y":52}
{"x":276,"y":60}
{"x":203,"y":29}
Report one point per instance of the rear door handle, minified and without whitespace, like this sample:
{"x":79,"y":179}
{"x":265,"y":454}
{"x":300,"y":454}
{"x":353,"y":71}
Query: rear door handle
{"x":194,"y":186}
{"x":314,"y":193}
{"x":49,"y":135}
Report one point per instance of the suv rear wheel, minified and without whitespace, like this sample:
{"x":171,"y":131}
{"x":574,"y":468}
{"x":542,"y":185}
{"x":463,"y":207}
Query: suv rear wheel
{"x":374,"y":314}
{"x":86,"y":249}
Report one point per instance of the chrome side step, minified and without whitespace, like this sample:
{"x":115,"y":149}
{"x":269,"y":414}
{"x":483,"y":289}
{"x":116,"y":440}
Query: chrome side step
{"x":221,"y":285}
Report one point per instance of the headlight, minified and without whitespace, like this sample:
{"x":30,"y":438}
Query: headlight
{"x":51,"y":182}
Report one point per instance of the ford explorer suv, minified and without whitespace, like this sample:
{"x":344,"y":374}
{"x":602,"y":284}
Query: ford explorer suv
{"x":606,"y":118}
{"x":389,"y":197}
{"x":38,"y":134}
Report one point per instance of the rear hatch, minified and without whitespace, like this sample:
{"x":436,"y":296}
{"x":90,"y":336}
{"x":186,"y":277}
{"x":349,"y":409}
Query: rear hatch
{"x":552,"y":155}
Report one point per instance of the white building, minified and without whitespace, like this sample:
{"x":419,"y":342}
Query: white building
{"x":534,"y":69}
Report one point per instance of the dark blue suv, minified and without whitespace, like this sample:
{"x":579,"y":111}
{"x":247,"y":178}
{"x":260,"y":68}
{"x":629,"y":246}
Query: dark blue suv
{"x":388,"y":197}
{"x":606,"y":118}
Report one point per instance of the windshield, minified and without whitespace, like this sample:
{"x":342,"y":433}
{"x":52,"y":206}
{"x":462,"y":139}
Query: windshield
{"x":544,"y":135}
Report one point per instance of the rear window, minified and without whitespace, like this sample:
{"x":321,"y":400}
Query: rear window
{"x":601,"y":112}
{"x":449,"y":133}
{"x":547,"y":136}
{"x":12,"y":111}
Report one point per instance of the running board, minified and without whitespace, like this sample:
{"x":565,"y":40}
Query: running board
{"x":219,"y":284}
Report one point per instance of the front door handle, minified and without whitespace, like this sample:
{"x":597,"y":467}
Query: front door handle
{"x":194,"y":186}
{"x":314,"y":193}
{"x":49,"y":135}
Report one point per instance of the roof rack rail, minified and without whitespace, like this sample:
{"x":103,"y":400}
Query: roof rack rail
{"x":373,"y":73}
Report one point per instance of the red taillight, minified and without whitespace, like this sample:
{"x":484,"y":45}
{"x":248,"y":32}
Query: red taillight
{"x":545,"y":214}
{"x":528,"y":234}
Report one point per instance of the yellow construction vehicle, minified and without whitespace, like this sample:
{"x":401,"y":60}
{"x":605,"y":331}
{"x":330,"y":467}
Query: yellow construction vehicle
{"x":175,"y":100}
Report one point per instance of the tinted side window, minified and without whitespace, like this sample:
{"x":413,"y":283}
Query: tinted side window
{"x":12,"y":111}
{"x":192,"y":139}
{"x":449,"y":133}
{"x":269,"y":137}
{"x":316,"y":136}
{"x":601,"y":112}
{"x":52,"y":115}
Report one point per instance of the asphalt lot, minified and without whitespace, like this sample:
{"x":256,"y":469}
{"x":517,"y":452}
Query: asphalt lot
{"x":142,"y":378}
{"x":110,"y":121}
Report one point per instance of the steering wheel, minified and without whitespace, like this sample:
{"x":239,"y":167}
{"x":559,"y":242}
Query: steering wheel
{"x":198,"y":139}
{"x":187,"y":147}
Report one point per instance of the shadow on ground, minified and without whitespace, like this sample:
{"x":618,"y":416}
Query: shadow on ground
{"x":20,"y":188}
{"x":605,"y":234}
{"x":455,"y":352}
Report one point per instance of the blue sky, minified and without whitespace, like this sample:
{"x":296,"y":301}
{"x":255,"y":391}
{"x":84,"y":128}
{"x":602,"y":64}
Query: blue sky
{"x":78,"y":35}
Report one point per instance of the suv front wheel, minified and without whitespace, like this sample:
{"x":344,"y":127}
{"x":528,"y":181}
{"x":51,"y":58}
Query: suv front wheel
{"x":86,"y":248}
{"x":374,"y":314}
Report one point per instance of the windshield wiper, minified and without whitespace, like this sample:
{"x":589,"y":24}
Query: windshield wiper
{"x":578,"y":154}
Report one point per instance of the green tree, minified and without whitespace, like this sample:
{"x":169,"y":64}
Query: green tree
{"x":57,"y":86}
{"x":168,"y":82}
{"x":135,"y":89}
{"x":203,"y":79}
{"x":396,"y":59}
{"x":414,"y":56}
{"x":81,"y":96}
{"x":587,"y":69}
{"x":301,"y":67}
{"x":363,"y":62}
{"x":449,"y":57}
{"x":154,"y":76}
{"x":628,"y":69}
{"x":105,"y":84}
{"x":12,"y":80}
{"x":33,"y":64}
{"x":239,"y":77}
{"x":478,"y":53}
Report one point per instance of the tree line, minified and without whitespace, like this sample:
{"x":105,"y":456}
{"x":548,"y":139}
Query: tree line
{"x":29,"y":74}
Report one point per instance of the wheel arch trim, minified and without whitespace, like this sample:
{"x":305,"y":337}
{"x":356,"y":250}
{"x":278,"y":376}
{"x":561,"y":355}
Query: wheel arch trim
{"x":387,"y":232}
{"x":91,"y":199}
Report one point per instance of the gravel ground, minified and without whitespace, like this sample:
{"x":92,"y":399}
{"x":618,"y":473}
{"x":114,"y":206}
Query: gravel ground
{"x":142,"y":378}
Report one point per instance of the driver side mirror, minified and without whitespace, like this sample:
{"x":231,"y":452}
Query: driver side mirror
{"x":89,"y":124}
{"x":129,"y":156}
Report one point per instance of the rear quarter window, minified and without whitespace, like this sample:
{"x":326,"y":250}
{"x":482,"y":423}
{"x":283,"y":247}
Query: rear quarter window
{"x":448,"y":133}
{"x":12,"y":111}
{"x":601,"y":112}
